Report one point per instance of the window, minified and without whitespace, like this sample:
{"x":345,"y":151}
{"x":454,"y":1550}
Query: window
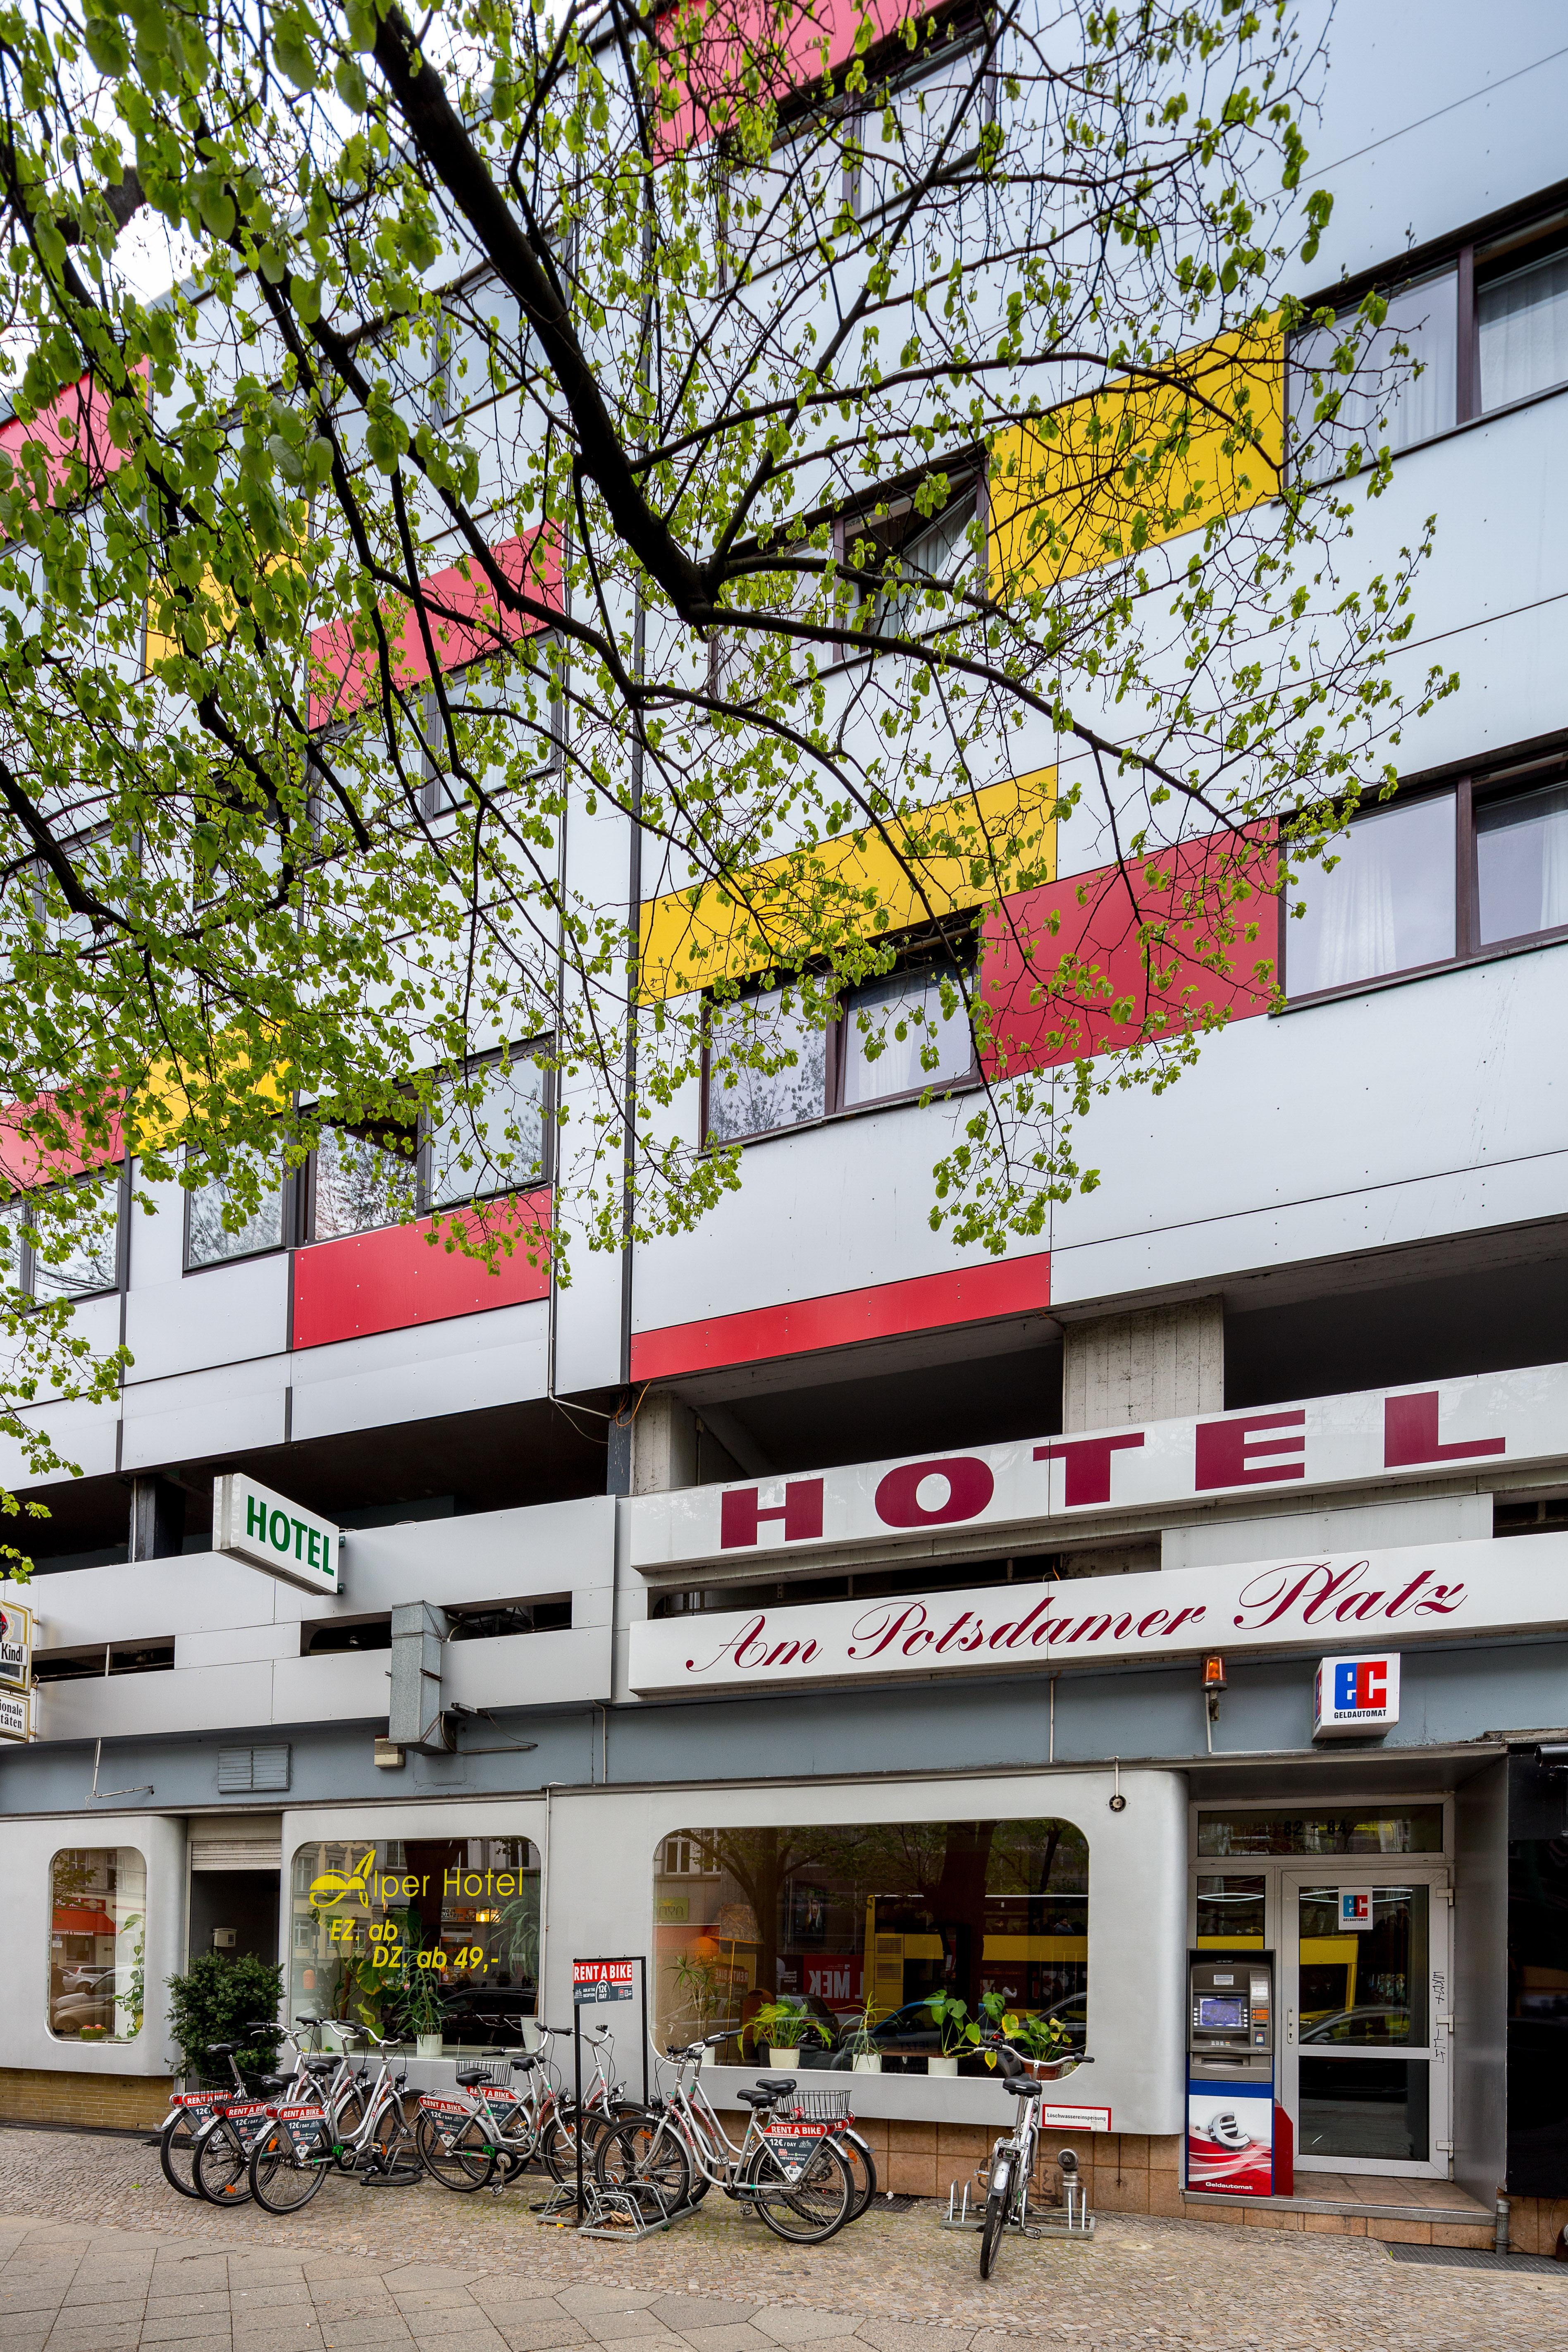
{"x":889,"y":1042}
{"x":375,"y":1923}
{"x":97,"y":1928}
{"x":360,"y":1179}
{"x":77,"y":1252}
{"x":101,"y":1658}
{"x":488,"y":1132}
{"x":866,"y":1921}
{"x":922,"y":558}
{"x":1487,"y":328}
{"x":1479,"y":865}
{"x":219,"y":1227}
{"x":1418,"y":1829}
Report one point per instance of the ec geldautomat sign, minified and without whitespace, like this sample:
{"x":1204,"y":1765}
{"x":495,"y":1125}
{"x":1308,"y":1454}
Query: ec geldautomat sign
{"x":1355,"y":1696}
{"x":15,"y":1645}
{"x":251,"y":1523}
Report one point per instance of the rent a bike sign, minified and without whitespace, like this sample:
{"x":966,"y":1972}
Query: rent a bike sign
{"x":598,"y":1980}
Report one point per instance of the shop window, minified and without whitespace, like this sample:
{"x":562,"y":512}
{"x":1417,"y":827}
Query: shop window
{"x":1231,"y":1914}
{"x":98,"y":1930}
{"x":1415,"y":1829}
{"x":418,"y":1936}
{"x":859,"y":1924}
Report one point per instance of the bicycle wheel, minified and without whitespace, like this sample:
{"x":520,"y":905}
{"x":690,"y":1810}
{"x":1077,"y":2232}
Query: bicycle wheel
{"x":807,"y":2211}
{"x":221,"y":2167}
{"x":558,"y":2147}
{"x":996,"y":2200}
{"x":177,"y":2151}
{"x":466,"y":2165}
{"x":646,"y":2157}
{"x":346,"y":2119}
{"x":862,"y":2168}
{"x":281,"y":2181}
{"x":392,"y":2140}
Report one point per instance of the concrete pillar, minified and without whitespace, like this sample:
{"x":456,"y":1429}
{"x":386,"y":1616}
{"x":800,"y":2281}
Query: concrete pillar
{"x":664,"y":1444}
{"x":157,"y":1518}
{"x":1153,"y":1366}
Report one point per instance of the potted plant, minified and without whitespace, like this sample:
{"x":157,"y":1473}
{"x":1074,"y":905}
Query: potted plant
{"x":699,"y":1983}
{"x":783,"y":2026}
{"x":422,"y":2011}
{"x":215,"y":2001}
{"x":864,"y":2055}
{"x":951,"y":2020}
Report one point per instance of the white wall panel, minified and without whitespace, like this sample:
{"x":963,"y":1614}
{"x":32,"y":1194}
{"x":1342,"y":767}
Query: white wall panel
{"x":462,"y":1365}
{"x":225,"y":1409}
{"x":24,"y":1919}
{"x":220,"y":1315}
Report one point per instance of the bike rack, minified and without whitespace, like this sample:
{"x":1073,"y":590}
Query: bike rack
{"x":1073,"y":2220}
{"x":620,"y":2213}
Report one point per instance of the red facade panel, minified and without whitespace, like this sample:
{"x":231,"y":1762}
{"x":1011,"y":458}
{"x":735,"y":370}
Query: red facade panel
{"x":927,"y":1302}
{"x":395,"y":1277}
{"x":1042,"y":1016}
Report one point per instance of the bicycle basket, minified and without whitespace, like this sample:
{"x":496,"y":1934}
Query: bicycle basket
{"x":823,"y":2106}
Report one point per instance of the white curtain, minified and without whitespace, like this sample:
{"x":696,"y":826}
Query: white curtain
{"x":1524,"y":332}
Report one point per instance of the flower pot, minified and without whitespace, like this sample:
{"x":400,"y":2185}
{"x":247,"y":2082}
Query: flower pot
{"x":780,"y":2061}
{"x":942,"y":2065}
{"x":428,"y":2045}
{"x":869,"y":2063}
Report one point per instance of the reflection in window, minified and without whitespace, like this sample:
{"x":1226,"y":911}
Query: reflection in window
{"x":359,"y":1184}
{"x":457,"y":1920}
{"x":898,"y":1040}
{"x":1416,"y":1830}
{"x":98,"y":1929}
{"x":1230,"y":1914}
{"x":220,"y":1228}
{"x":77,"y":1252}
{"x":1522,"y":864}
{"x":491,"y":1143}
{"x":869,"y":1920}
{"x":1375,"y":410}
{"x":1523,"y":331}
{"x":1387,"y":906}
{"x":789,"y":1086}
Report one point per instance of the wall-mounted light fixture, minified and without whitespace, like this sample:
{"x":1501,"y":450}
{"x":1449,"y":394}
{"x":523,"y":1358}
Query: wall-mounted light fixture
{"x":1214,"y":1682}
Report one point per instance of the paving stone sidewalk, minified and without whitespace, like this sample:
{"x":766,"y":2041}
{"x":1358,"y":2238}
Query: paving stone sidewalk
{"x":98,"y":2255}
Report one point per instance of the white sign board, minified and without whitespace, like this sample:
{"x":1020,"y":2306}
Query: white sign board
{"x":15,"y":1644}
{"x":1509,"y":1418}
{"x":1355,"y":1910}
{"x":16,"y":1714}
{"x":1418,"y":1592}
{"x":253,"y":1523}
{"x":1353,"y":1697}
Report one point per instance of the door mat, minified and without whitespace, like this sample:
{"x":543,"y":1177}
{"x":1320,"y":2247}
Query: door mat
{"x":1474,"y":2258}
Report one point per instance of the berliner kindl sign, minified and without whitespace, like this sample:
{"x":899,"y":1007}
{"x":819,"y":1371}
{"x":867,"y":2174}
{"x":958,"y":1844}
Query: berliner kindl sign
{"x":253,"y":1523}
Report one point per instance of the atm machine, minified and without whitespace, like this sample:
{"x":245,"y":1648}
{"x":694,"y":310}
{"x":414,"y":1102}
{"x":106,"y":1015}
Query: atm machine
{"x":1239,"y":2142}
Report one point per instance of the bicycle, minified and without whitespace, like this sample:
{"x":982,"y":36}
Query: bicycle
{"x":220,"y":2144}
{"x":191,"y":2111}
{"x":789,"y":2169}
{"x":292,"y":2157}
{"x":1012,"y":2159}
{"x":461,"y":2141}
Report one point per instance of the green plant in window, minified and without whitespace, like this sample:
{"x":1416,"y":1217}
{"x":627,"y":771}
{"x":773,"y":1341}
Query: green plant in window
{"x":784,"y":2025}
{"x":518,"y":1937}
{"x":701,"y":1985}
{"x":950,"y":2016}
{"x":860,"y":2039}
{"x":136,"y":1981}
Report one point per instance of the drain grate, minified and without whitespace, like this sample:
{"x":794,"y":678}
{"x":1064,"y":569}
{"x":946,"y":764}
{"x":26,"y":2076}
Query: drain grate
{"x":886,"y":2201}
{"x":1472,"y":2258}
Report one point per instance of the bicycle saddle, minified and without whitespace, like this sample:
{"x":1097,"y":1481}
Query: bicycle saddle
{"x":755,"y":2098}
{"x":468,"y":2077}
{"x":322,"y":2066}
{"x":528,"y":2059}
{"x":223,"y":2049}
{"x":777,"y":2086}
{"x":1026,"y":2090}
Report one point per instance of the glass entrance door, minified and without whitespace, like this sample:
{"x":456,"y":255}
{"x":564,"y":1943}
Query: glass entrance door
{"x":1364,"y":2001}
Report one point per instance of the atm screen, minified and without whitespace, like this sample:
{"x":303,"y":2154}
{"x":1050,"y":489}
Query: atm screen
{"x":1222,"y":2013}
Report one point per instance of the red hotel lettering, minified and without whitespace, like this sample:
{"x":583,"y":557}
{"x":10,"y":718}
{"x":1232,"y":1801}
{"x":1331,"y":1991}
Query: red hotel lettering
{"x":1007,"y":1635}
{"x":953,"y":1629}
{"x":741,"y":1515}
{"x":872,"y":1634}
{"x":1278,"y":1601}
{"x":1086,"y":1476}
{"x":1410,"y":1435}
{"x":1226,"y":1450}
{"x":1146,"y":1624}
{"x":970,"y":1486}
{"x":751,"y":1634}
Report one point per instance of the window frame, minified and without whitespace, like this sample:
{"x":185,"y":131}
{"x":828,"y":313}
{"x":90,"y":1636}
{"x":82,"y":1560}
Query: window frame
{"x":1474,"y":789}
{"x":1504,"y":239}
{"x":28,"y":1255}
{"x":914,"y":956}
{"x":289,"y":1221}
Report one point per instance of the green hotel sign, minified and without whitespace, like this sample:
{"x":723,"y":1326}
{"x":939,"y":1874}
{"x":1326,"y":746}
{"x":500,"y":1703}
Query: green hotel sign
{"x":253,"y":1523}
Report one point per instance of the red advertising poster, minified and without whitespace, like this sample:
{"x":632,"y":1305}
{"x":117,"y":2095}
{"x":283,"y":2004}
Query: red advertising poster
{"x":1230,"y":2142}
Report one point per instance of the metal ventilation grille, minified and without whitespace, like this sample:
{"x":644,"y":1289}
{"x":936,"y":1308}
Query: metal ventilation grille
{"x":243,"y":1771}
{"x":236,"y":1853}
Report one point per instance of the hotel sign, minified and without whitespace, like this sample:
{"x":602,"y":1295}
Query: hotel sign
{"x":251,"y":1523}
{"x":1415,"y":1592}
{"x":1518,"y":1417}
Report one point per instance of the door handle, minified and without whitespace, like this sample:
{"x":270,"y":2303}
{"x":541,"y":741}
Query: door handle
{"x":1290,"y":2025}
